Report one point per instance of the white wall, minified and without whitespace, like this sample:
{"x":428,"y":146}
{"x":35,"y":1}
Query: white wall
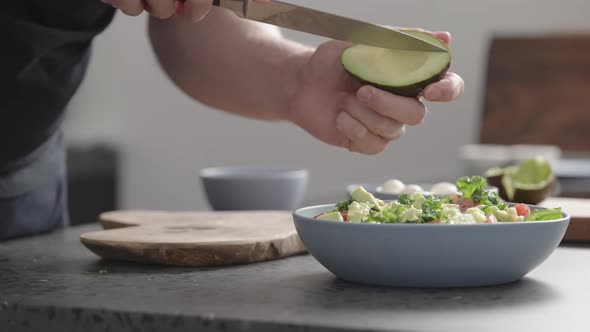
{"x":165,"y":137}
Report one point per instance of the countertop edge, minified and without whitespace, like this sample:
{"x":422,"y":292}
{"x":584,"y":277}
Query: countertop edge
{"x":16,"y":317}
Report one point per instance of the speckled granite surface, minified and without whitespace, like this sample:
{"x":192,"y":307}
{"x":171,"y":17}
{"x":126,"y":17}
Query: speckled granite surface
{"x":52,"y":283}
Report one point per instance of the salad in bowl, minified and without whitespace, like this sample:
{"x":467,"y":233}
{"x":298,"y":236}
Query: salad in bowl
{"x":469,"y":239}
{"x":474,"y":204}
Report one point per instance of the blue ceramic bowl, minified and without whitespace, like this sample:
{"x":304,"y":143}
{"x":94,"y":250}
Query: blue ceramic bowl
{"x":254,"y":188}
{"x":428,"y":255}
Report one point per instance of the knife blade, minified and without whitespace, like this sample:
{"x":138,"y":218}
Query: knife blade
{"x":328,"y":25}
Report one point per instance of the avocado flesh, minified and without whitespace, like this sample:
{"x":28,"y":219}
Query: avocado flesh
{"x":331,"y":216}
{"x":362,"y":196}
{"x":402,"y":72}
{"x":531,"y":182}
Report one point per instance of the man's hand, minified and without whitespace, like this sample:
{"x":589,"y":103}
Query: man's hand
{"x":335,"y":108}
{"x":250,"y":70}
{"x":194,"y":10}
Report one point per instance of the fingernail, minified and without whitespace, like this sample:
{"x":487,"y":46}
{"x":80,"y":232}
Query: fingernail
{"x":433,"y":94}
{"x":364,"y":94}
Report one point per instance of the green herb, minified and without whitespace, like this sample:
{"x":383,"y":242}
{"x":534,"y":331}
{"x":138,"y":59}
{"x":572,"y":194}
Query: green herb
{"x":393,"y":215}
{"x":342,"y":205}
{"x":548,"y":214}
{"x":405,"y":199}
{"x":485,"y":208}
{"x":472,"y":187}
{"x":447,"y":200}
{"x":375,"y":208}
{"x":492,"y":197}
{"x":431,"y":209}
{"x":475,"y":188}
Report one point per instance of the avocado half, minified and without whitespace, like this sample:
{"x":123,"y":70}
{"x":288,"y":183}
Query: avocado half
{"x":402,"y":72}
{"x":530,"y":182}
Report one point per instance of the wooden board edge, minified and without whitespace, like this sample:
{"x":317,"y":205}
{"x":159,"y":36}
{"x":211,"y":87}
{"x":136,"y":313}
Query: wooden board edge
{"x":184,"y":256}
{"x":578,"y":231}
{"x":108,"y":221}
{"x":117,"y":218}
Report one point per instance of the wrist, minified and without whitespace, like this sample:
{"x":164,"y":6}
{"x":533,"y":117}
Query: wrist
{"x":294,"y":73}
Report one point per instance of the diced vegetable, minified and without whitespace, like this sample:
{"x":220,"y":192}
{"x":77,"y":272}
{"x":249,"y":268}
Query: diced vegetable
{"x":491,"y":219}
{"x":522,"y":210}
{"x":344,"y":215}
{"x":330,"y":216}
{"x":548,"y":214}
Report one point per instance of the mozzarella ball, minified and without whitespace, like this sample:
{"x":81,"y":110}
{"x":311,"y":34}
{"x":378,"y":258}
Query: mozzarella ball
{"x":392,"y":186}
{"x":412,"y":188}
{"x":444,"y":188}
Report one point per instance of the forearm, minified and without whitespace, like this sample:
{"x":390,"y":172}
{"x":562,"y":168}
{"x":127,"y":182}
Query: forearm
{"x":231,"y":64}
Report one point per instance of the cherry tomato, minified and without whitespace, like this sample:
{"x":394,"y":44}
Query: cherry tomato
{"x":522,"y":210}
{"x":344,"y":215}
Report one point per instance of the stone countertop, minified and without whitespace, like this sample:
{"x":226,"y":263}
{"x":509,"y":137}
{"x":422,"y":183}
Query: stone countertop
{"x":53,"y":283}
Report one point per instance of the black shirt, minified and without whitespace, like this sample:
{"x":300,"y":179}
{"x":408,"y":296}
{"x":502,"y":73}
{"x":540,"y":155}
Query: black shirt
{"x":44,"y":52}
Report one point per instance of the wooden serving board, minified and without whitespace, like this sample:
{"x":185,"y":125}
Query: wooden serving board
{"x":579,"y":211}
{"x":195,"y":238}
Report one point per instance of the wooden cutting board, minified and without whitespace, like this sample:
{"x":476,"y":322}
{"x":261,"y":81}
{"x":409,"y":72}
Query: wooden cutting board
{"x":579,"y":210}
{"x":195,"y":238}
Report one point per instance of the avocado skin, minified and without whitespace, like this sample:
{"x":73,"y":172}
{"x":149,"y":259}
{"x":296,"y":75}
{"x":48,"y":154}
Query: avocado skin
{"x":412,"y":90}
{"x":535,"y":196}
{"x":527,"y":196}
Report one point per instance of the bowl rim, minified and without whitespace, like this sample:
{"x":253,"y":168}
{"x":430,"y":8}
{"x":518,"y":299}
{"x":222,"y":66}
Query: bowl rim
{"x":298,"y":216}
{"x":252,"y":172}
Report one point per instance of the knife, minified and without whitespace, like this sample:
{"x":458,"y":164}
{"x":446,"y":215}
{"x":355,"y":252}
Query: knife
{"x":328,"y":25}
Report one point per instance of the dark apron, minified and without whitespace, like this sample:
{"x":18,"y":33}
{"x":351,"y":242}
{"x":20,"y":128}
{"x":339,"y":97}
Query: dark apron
{"x":33,"y":196}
